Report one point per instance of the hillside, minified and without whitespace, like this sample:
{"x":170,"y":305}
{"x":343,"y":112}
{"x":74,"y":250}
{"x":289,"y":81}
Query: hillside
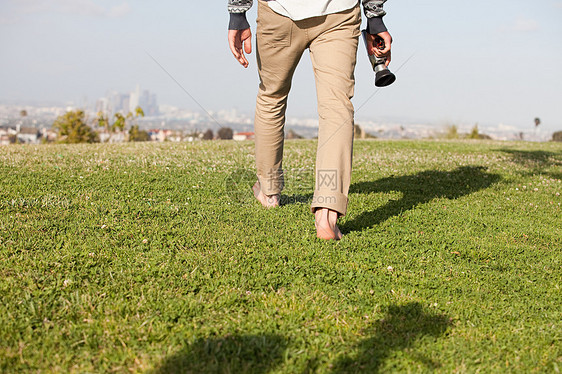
{"x":155,"y":257}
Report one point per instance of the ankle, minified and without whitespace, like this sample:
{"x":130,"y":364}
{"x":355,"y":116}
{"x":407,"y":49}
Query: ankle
{"x":326,"y":214}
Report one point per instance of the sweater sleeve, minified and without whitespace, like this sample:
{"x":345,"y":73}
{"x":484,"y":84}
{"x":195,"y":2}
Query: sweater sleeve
{"x":237,"y":10}
{"x":374,"y":12}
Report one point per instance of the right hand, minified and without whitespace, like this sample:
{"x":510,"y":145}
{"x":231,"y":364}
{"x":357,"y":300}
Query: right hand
{"x":240,"y":41}
{"x":380,"y":53}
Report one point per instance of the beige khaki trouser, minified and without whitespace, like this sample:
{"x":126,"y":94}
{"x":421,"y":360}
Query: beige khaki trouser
{"x":332,"y":41}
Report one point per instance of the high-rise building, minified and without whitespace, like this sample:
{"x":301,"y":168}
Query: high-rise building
{"x":128,"y":103}
{"x":134,"y":99}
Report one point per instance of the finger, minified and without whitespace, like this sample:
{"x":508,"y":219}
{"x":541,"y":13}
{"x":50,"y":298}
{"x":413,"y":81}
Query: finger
{"x":372,"y":46}
{"x":380,"y":53}
{"x":235,"y":52}
{"x":241,"y":58}
{"x":243,"y":61}
{"x":236,"y":47}
{"x":387,"y":62}
{"x":248,"y":45}
{"x":386,"y":48}
{"x":387,"y":42}
{"x":232,"y":43}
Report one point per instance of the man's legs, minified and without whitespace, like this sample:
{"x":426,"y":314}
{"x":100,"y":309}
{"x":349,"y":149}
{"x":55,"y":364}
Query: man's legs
{"x":280,"y":46}
{"x":333,"y":54}
{"x":333,"y":43}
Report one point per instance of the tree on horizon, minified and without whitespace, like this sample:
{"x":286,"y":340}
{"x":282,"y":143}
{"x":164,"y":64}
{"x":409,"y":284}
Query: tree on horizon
{"x":72,"y":128}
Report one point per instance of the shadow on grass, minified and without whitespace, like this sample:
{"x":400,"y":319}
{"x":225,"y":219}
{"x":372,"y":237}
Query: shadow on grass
{"x":304,"y":198}
{"x":256,"y":354}
{"x":418,"y":189}
{"x":537,"y":161}
{"x":400,"y":328}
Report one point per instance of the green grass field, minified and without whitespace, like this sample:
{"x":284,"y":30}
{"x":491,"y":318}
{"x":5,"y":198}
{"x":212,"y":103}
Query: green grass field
{"x":154,"y":257}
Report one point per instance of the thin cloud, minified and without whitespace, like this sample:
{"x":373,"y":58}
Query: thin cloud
{"x":80,"y":7}
{"x":119,"y":11}
{"x":524,"y":25}
{"x":7,"y":21}
{"x":30,"y":6}
{"x":89,"y":8}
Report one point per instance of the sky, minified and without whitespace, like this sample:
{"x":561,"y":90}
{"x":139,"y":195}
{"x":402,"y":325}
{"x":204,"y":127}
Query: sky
{"x":492,"y":63}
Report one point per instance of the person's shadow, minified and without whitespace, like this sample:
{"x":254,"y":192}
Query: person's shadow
{"x":400,"y":328}
{"x":258,"y":354}
{"x":418,"y":189}
{"x":537,"y":162}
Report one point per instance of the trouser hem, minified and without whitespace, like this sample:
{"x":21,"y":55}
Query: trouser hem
{"x":331,"y":200}
{"x":271,"y":186}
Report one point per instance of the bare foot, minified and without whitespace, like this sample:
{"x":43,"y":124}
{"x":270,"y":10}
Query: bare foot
{"x":325,"y":222}
{"x":268,"y":201}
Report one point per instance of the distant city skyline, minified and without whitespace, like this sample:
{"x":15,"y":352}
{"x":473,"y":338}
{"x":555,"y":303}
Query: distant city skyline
{"x":171,"y":118}
{"x":491,"y":63}
{"x":118,"y":102}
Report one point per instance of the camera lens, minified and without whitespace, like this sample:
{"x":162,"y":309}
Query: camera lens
{"x":384,"y":78}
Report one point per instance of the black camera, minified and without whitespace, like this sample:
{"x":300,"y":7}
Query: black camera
{"x":383,"y":76}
